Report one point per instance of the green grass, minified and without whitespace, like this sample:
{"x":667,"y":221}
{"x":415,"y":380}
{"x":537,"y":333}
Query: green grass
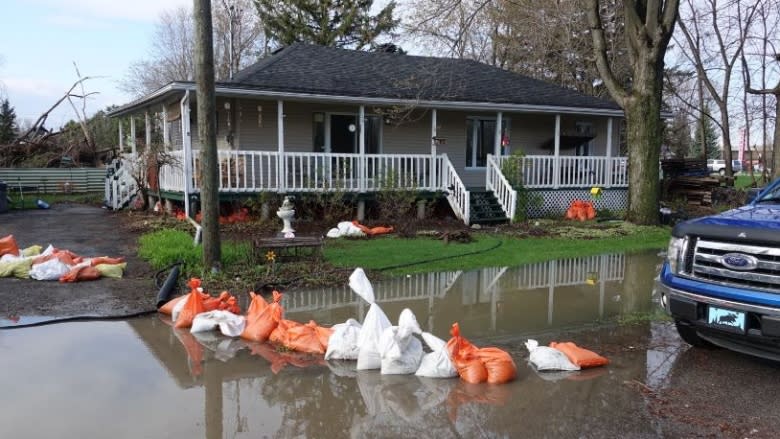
{"x":30,"y":199}
{"x":429,"y":254}
{"x":164,"y":247}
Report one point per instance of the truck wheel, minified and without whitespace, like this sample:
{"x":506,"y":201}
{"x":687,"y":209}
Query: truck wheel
{"x":722,"y":172}
{"x":689,"y":335}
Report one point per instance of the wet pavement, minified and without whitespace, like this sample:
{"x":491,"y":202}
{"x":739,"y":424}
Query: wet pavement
{"x":142,"y":378}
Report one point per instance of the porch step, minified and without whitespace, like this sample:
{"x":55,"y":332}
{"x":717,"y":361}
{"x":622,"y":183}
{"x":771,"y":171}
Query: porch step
{"x":485,"y":208}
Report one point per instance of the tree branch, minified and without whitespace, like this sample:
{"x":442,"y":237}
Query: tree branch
{"x":597,"y":31}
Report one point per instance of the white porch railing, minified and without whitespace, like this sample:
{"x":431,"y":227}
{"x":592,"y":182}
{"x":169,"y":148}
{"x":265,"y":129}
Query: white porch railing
{"x":457,"y":195}
{"x":496,"y":181}
{"x":539,"y":171}
{"x":121,"y":187}
{"x":251,"y":171}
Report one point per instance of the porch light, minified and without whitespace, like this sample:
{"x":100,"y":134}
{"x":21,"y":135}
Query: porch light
{"x":438,"y":141}
{"x":227,"y":105}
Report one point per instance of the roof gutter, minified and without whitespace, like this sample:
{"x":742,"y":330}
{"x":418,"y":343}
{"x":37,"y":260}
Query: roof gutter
{"x":360,"y":100}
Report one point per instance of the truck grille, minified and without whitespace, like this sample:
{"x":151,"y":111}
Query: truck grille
{"x":708,"y":265}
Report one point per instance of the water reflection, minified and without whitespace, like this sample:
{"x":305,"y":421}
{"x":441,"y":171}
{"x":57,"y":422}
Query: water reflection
{"x":143,"y":378}
{"x":499,"y":300}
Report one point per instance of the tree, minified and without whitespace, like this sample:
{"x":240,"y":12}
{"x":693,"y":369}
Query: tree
{"x":235,"y":27}
{"x":706,"y":137}
{"x":336,"y":23}
{"x":677,"y":135}
{"x":8,"y":127}
{"x":714,"y":37}
{"x":648,"y":28}
{"x":207,"y":133}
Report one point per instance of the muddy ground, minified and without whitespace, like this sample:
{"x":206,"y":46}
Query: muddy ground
{"x":86,"y":231}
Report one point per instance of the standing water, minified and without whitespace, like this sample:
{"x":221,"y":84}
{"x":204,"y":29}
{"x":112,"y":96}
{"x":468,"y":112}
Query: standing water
{"x":142,"y":378}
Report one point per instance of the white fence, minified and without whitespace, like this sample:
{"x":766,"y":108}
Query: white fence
{"x":496,"y":181}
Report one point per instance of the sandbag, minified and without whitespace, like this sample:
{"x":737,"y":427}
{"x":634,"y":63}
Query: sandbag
{"x":191,"y":308}
{"x":49,"y":270}
{"x":305,"y":338}
{"x":475,"y":365}
{"x":228,"y":323}
{"x":114,"y":271}
{"x":580,"y":356}
{"x":279,"y":334}
{"x":342,"y":344}
{"x":345,"y":228}
{"x":547,"y":358}
{"x":8,"y":246}
{"x":19,"y":268}
{"x":259,"y":325}
{"x":373,"y":326}
{"x":224,"y":302}
{"x":33,"y":250}
{"x":400,"y":351}
{"x":80,"y":274}
{"x":437,"y":363}
{"x":105,"y":260}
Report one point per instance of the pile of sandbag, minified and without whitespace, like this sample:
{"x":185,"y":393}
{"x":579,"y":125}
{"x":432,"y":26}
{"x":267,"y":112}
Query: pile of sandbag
{"x":354,"y":229}
{"x":581,"y":210}
{"x":54,"y":264}
{"x":202,"y":312}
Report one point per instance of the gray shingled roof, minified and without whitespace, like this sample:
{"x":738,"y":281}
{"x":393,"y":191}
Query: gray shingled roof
{"x":304,"y":68}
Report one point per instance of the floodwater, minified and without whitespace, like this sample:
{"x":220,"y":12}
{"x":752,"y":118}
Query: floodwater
{"x":142,"y":378}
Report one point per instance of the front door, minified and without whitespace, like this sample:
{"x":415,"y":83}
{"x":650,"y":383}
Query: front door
{"x":343,"y":133}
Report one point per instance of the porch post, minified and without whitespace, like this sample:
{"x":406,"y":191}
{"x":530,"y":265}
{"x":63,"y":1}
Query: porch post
{"x":608,"y":168}
{"x":166,"y":130}
{"x":497,"y":141}
{"x":186,"y":146}
{"x":557,"y":167}
{"x":147,"y":128}
{"x":280,"y":162}
{"x":431,"y":180}
{"x":121,"y":137}
{"x":132,"y":135}
{"x":186,"y":135}
{"x":362,"y":175}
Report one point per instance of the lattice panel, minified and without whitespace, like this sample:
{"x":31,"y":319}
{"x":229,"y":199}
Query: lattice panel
{"x":555,"y":202}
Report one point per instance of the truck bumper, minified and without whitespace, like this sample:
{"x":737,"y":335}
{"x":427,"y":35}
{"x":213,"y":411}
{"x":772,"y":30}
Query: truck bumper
{"x":762,"y":334}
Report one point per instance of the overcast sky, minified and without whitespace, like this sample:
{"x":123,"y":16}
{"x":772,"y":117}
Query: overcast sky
{"x":42,"y":38}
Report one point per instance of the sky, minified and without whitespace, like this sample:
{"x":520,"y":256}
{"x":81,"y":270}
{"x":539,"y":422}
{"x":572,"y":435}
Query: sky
{"x":41,"y":39}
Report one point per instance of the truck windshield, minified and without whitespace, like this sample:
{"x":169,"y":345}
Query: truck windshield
{"x":771,"y":197}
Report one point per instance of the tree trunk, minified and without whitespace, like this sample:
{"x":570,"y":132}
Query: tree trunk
{"x":207,"y":133}
{"x":644,"y":134}
{"x":727,"y":156}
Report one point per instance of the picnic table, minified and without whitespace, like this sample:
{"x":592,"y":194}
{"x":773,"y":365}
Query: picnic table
{"x":287,"y":247}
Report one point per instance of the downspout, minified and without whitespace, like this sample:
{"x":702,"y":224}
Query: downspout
{"x":187,"y":149}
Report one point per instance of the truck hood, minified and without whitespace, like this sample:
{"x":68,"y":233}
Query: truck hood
{"x":758,"y":223}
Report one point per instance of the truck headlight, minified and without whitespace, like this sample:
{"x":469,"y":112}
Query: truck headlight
{"x":674,"y":254}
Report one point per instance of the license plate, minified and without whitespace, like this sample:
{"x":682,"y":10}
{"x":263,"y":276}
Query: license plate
{"x":726,"y":319}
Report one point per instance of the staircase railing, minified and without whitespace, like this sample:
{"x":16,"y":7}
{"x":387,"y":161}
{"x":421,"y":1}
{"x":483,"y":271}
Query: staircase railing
{"x":121,"y":187}
{"x":457,"y":195}
{"x":496,"y":181}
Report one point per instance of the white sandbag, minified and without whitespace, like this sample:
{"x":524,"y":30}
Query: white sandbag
{"x":348,"y":229}
{"x":373,"y":326}
{"x":228,"y":323}
{"x":333,"y":233}
{"x":178,"y":307}
{"x":400,"y":350}
{"x":49,"y":250}
{"x":547,"y":358}
{"x":437,"y":363}
{"x":343,"y":343}
{"x":52,"y":269}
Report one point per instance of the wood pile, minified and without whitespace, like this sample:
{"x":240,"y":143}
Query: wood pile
{"x":688,"y":179}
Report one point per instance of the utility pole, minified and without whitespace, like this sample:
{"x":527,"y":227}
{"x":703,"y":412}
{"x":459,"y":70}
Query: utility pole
{"x":207,"y":133}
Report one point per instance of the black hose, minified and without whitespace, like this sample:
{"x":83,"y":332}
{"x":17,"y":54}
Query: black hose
{"x":169,"y":286}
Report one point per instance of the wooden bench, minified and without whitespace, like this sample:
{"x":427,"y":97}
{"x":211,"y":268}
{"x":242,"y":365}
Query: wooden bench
{"x":287,"y":247}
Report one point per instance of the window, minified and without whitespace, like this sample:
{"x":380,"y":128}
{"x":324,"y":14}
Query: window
{"x":481,"y":139}
{"x":319,"y":132}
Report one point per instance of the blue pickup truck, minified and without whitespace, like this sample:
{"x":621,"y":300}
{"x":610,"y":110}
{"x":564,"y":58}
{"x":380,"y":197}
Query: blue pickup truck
{"x":721,"y":278}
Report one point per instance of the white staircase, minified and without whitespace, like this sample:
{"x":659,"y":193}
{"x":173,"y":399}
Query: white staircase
{"x":121,"y":187}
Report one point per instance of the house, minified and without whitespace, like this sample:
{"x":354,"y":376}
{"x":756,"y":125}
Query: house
{"x":312,"y":118}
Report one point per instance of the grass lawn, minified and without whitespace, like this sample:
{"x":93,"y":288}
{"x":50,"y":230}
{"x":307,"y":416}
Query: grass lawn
{"x":30,"y":199}
{"x":424,"y":254}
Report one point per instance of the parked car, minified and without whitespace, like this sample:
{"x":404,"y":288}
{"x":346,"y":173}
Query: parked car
{"x":719,"y":166}
{"x":721,"y":278}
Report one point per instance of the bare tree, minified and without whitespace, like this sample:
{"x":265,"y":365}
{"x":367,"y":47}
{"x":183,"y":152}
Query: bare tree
{"x":713,"y":38}
{"x":649,"y":26}
{"x":237,"y":38}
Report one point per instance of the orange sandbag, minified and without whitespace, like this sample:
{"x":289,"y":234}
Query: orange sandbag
{"x":280,"y":335}
{"x":106,"y":260}
{"x":304,"y":338}
{"x":224,"y":302}
{"x":323,"y":334}
{"x":193,"y":307}
{"x":169,"y":305}
{"x":260,"y":325}
{"x":80,"y":274}
{"x":580,"y":356}
{"x":379,"y":230}
{"x":499,"y":365}
{"x":8,"y":246}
